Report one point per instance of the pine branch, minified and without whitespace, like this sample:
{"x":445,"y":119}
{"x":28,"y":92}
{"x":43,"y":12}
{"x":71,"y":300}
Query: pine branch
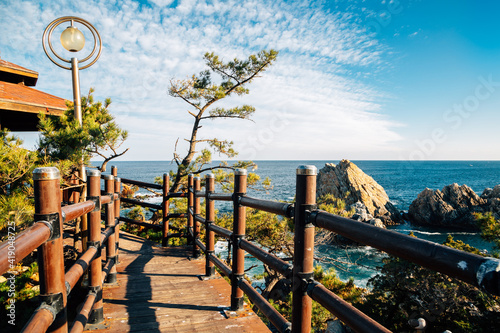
{"x":213,"y":168}
{"x":103,"y":165}
{"x":178,"y":93}
{"x":237,"y":117}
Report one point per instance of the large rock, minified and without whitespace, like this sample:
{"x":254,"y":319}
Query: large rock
{"x":347,"y":181}
{"x":454,"y":206}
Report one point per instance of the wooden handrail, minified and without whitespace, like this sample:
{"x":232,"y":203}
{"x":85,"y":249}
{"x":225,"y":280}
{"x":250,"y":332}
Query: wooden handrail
{"x":468,"y":267}
{"x":77,"y":210}
{"x":141,"y":203}
{"x":79,"y":267}
{"x":141,"y":184}
{"x":46,"y":235}
{"x":278,"y":208}
{"x":353,"y":317}
{"x":39,"y":321}
{"x":84,"y":313}
{"x":23,"y":244}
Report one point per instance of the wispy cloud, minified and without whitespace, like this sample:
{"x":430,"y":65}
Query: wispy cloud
{"x":316,"y":84}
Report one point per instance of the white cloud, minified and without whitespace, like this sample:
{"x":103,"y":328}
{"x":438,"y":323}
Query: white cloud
{"x":329,"y":111}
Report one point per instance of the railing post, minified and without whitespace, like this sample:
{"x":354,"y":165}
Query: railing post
{"x":196,"y":212}
{"x":95,"y":283}
{"x":239,"y":221}
{"x":50,"y":254}
{"x":303,"y":266}
{"x":75,"y":198}
{"x":209,"y":220}
{"x":118,"y":191}
{"x":165,"y":208}
{"x":190,"y":209}
{"x":109,"y":188}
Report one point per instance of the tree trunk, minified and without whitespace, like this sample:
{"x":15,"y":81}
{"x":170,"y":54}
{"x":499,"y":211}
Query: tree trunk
{"x":181,"y":169}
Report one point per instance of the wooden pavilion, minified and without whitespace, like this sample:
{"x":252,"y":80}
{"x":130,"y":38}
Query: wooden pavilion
{"x":20,"y":103}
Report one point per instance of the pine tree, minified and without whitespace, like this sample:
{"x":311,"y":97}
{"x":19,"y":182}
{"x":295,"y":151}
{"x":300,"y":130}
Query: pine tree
{"x":200,"y":92}
{"x":64,"y":139}
{"x":16,"y":166}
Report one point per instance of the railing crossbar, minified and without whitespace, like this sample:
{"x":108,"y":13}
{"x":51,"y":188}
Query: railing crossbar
{"x":25,"y":243}
{"x":176,"y":215}
{"x":177,"y":195}
{"x":225,"y":269}
{"x":141,"y":184}
{"x":220,"y":196}
{"x":281,"y":324}
{"x":199,"y":218}
{"x":221,"y":231}
{"x":468,"y":267}
{"x":201,"y":245}
{"x":77,"y":210}
{"x":107,"y":268}
{"x":83,"y":314}
{"x":144,"y":224}
{"x":353,"y":317}
{"x":267,"y":258}
{"x":200,"y":194}
{"x":141,"y":203}
{"x":275,"y":207}
{"x":76,"y":271}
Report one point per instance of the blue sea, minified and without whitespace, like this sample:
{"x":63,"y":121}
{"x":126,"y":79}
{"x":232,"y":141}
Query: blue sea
{"x":402,"y":180}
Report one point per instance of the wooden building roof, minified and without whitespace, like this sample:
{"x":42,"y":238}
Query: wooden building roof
{"x":20,"y":104}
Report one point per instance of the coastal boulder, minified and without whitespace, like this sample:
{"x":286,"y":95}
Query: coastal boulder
{"x":454,"y":206}
{"x":360,"y":212}
{"x":492,"y":197}
{"x":350,"y":183}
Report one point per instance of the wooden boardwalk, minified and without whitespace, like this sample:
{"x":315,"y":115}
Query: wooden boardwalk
{"x":162,"y":290}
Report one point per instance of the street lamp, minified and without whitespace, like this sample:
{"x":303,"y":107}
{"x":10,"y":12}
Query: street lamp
{"x":72,"y":40}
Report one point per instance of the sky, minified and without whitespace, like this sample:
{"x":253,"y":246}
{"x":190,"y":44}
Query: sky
{"x":360,"y":80}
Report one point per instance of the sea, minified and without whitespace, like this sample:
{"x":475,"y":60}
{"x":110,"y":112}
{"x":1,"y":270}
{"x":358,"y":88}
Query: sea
{"x":402,"y":181}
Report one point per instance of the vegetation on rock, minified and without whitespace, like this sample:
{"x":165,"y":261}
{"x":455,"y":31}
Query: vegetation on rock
{"x":404,"y":291}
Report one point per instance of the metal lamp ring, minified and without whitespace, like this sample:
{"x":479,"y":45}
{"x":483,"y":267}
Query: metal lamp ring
{"x":47,"y":35}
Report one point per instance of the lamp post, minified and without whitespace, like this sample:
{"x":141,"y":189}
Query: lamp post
{"x":73,"y":40}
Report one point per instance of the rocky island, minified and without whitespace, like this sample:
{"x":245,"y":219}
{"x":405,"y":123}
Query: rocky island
{"x":453,"y":206}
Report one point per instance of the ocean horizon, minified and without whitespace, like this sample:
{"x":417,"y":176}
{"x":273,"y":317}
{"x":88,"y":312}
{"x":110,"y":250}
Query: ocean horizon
{"x":402,"y":180}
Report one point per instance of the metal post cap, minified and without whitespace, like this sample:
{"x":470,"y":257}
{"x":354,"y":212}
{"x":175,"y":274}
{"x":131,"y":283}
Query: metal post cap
{"x":46,"y":173}
{"x":118,"y":179}
{"x":309,"y":170}
{"x":93,"y":173}
{"x":240,"y":172}
{"x":108,"y":177}
{"x":196,"y":178}
{"x":210,"y":175}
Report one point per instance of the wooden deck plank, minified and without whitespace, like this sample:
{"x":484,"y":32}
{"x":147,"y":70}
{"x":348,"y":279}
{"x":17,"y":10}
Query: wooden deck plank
{"x":160,"y":290}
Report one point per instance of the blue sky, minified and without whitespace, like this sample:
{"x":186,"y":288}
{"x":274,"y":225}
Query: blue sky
{"x":398,"y":80}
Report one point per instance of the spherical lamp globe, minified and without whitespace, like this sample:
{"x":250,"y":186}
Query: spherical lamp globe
{"x":72,"y":39}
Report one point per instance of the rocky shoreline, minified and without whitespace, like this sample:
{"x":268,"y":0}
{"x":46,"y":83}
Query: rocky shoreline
{"x":452,"y":207}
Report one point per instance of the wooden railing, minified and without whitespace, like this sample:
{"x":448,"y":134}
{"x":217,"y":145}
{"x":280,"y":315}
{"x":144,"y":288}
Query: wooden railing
{"x":482,"y":272}
{"x":163,"y":207}
{"x":46,"y":233}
